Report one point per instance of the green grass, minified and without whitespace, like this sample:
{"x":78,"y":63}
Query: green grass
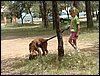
{"x":30,"y":30}
{"x":49,"y":65}
{"x":25,"y":30}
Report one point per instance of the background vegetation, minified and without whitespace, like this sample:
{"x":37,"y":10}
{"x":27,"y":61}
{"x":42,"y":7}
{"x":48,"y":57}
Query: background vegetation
{"x":71,"y":64}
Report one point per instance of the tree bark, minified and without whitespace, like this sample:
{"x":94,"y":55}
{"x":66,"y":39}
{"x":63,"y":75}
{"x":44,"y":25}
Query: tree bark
{"x":89,"y":15}
{"x":22,"y":18}
{"x":13,"y":19}
{"x":45,"y":14}
{"x":41,"y":10}
{"x":58,"y":31}
{"x":31,"y":15}
{"x":53,"y":16}
{"x":5,"y":20}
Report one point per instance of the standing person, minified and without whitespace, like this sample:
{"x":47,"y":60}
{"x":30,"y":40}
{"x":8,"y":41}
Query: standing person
{"x":74,"y":28}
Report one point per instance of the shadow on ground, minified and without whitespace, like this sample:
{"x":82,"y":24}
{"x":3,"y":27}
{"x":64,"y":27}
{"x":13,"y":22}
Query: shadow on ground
{"x":92,"y":50}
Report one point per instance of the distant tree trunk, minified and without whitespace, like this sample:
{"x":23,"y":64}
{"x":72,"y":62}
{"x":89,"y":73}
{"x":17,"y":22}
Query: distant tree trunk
{"x":41,"y":10}
{"x":67,"y":12}
{"x":89,"y":15}
{"x":68,"y":5}
{"x":66,"y":9}
{"x":31,"y":15}
{"x":45,"y":14}
{"x":10,"y":19}
{"x":53,"y":16}
{"x":92,"y":11}
{"x":22,"y":19}
{"x":76,"y":4}
{"x":58,"y":31}
{"x":13,"y":19}
{"x":5,"y":20}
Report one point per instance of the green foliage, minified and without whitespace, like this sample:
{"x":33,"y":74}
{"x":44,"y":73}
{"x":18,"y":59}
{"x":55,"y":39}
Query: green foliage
{"x":95,"y":5}
{"x":18,"y":7}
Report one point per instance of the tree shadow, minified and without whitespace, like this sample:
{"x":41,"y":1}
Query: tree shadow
{"x":92,"y":50}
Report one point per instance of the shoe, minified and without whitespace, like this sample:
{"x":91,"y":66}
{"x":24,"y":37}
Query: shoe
{"x":77,"y":50}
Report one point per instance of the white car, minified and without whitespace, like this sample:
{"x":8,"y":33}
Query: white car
{"x":82,"y":14}
{"x":62,"y":16}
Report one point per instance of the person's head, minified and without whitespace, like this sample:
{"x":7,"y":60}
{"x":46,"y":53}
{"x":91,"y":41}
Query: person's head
{"x":73,"y":11}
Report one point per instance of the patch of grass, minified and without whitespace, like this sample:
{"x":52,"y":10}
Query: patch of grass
{"x":89,"y":37}
{"x":25,"y":31}
{"x":30,"y":30}
{"x":49,"y":65}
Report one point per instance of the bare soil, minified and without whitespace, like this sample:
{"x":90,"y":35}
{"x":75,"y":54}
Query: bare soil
{"x":19,"y":47}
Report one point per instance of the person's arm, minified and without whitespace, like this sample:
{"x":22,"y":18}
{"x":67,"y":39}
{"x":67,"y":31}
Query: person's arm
{"x":78,"y":31}
{"x":78,"y":26}
{"x":66,"y":28}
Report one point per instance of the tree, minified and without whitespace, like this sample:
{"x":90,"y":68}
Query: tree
{"x":5,"y":6}
{"x":89,"y":15}
{"x":53,"y":16}
{"x":16,"y":9}
{"x":58,"y":31}
{"x":43,"y":11}
{"x":95,"y":7}
{"x":45,"y":14}
{"x":28,"y":5}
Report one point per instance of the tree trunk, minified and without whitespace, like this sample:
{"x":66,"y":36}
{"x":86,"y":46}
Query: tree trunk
{"x":76,"y":4}
{"x":45,"y":14}
{"x":89,"y":15}
{"x":53,"y":16}
{"x":58,"y":31}
{"x":5,"y":20}
{"x":67,"y":12}
{"x":41,"y":10}
{"x":13,"y":19}
{"x":22,"y":18}
{"x":31,"y":15}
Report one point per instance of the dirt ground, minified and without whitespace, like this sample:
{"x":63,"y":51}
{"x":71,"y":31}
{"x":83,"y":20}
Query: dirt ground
{"x":20,"y":47}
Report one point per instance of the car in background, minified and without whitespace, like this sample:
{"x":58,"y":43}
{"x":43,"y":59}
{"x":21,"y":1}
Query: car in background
{"x":82,"y":14}
{"x":50,"y":17}
{"x":62,"y":16}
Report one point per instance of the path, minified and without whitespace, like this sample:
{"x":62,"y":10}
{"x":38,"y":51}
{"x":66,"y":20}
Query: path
{"x":20,"y":47}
